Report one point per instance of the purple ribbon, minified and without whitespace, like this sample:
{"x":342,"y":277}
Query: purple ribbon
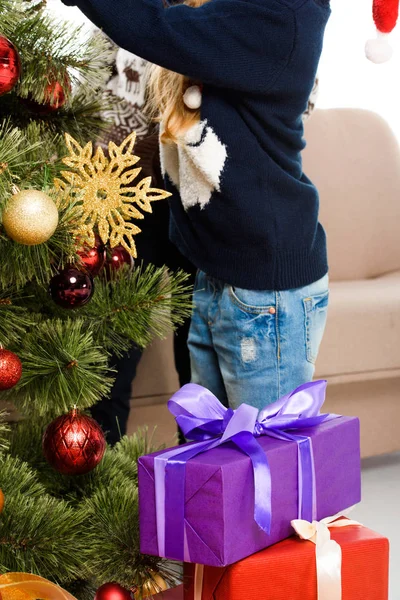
{"x":203,"y":419}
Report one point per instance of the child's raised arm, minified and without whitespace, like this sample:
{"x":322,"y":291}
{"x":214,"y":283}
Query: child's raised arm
{"x":238,"y":44}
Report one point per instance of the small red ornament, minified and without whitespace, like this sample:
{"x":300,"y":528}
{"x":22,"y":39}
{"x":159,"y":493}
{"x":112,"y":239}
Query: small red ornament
{"x":10,"y":369}
{"x":117,"y":257}
{"x":93,"y":258}
{"x":71,"y":288}
{"x":112,"y":591}
{"x":10,"y":65}
{"x":54,"y":98}
{"x":74,"y":444}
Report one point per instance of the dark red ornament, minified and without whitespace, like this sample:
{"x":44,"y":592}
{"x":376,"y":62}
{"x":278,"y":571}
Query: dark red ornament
{"x":10,"y":65}
{"x":74,"y":444}
{"x":54,"y":98}
{"x":117,"y":257}
{"x":112,"y":591}
{"x":93,"y":258}
{"x":10,"y":369}
{"x":71,"y":288}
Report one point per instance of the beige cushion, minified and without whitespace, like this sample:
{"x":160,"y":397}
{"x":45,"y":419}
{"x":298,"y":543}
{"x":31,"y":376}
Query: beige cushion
{"x":353,"y":158}
{"x":363,"y":328}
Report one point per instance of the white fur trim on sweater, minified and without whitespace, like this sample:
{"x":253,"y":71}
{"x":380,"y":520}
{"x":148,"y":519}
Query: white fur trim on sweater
{"x":195,"y":165}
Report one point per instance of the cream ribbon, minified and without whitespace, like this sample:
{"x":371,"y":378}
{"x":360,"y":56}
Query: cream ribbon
{"x":25,"y":586}
{"x":328,"y":553}
{"x":198,"y":581}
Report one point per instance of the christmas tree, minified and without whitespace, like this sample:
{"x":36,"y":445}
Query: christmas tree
{"x":69,"y":504}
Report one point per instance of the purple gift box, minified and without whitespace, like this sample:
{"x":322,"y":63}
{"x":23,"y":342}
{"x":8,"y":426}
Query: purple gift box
{"x":218,"y":487}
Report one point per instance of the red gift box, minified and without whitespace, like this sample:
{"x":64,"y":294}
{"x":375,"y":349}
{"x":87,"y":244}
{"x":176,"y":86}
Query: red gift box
{"x":287,"y":571}
{"x":173,"y":594}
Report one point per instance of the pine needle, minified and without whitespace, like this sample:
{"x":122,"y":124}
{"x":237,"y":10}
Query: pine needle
{"x":4,"y":433}
{"x":139,"y":306}
{"x":62,"y":366}
{"x":43,"y":535}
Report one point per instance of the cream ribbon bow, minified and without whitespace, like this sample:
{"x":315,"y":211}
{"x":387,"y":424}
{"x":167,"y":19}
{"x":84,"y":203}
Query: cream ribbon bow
{"x":25,"y":586}
{"x":328,"y":553}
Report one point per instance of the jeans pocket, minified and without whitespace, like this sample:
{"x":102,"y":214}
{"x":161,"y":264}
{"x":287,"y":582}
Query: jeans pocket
{"x":253,"y":301}
{"x":316,"y":309}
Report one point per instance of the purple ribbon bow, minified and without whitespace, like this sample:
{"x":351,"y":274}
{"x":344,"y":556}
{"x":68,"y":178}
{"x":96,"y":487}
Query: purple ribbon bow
{"x":205,"y":420}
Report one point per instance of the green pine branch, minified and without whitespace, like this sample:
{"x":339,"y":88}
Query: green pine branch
{"x":62,"y":366}
{"x":51,"y":51}
{"x":25,"y":442}
{"x":138,"y":307}
{"x":14,"y":320}
{"x":4,"y":433}
{"x":44,"y":535}
{"x":17,"y":477}
{"x":65,"y":353}
{"x":54,"y":51}
{"x":102,"y":506}
{"x":115,"y":553}
{"x":82,"y":118}
{"x":16,"y":154}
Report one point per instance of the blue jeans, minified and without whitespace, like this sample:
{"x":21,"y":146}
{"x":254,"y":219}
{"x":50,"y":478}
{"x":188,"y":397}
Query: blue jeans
{"x":255,"y":346}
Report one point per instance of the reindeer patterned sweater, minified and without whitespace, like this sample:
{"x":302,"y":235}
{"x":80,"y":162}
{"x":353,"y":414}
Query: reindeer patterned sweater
{"x":243,"y":211}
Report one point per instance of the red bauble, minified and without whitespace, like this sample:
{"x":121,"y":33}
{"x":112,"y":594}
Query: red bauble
{"x":10,"y":369}
{"x":54,"y":98}
{"x":71,"y":288}
{"x":10,"y":65}
{"x":117,"y":257}
{"x":93,"y":258}
{"x":112,"y":591}
{"x":74,"y":444}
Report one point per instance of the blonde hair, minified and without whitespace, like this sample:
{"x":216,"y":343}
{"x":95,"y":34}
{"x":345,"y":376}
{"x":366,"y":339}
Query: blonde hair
{"x":165,"y":91}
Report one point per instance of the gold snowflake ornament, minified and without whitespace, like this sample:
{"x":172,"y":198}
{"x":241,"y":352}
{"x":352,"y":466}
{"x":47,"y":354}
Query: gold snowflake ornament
{"x":104,"y":192}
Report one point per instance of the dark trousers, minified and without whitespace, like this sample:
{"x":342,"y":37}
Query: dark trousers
{"x":154,"y":248}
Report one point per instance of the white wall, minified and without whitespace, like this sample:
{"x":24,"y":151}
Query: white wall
{"x":347,"y":78}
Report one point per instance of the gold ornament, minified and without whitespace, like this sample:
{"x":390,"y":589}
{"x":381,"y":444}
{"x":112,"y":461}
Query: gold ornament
{"x":30,"y":217}
{"x":101,"y":187}
{"x":152,"y":586}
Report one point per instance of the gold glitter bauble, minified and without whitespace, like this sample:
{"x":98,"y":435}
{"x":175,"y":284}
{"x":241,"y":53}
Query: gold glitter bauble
{"x":152,"y":586}
{"x":101,"y":188}
{"x":30,"y":217}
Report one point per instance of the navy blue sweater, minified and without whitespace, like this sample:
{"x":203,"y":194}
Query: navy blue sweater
{"x":245,"y":212}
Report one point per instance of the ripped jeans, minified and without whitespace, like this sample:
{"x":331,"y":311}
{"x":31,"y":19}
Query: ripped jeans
{"x":255,"y":346}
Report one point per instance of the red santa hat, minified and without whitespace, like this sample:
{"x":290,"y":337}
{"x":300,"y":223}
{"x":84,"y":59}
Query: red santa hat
{"x":385,"y":14}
